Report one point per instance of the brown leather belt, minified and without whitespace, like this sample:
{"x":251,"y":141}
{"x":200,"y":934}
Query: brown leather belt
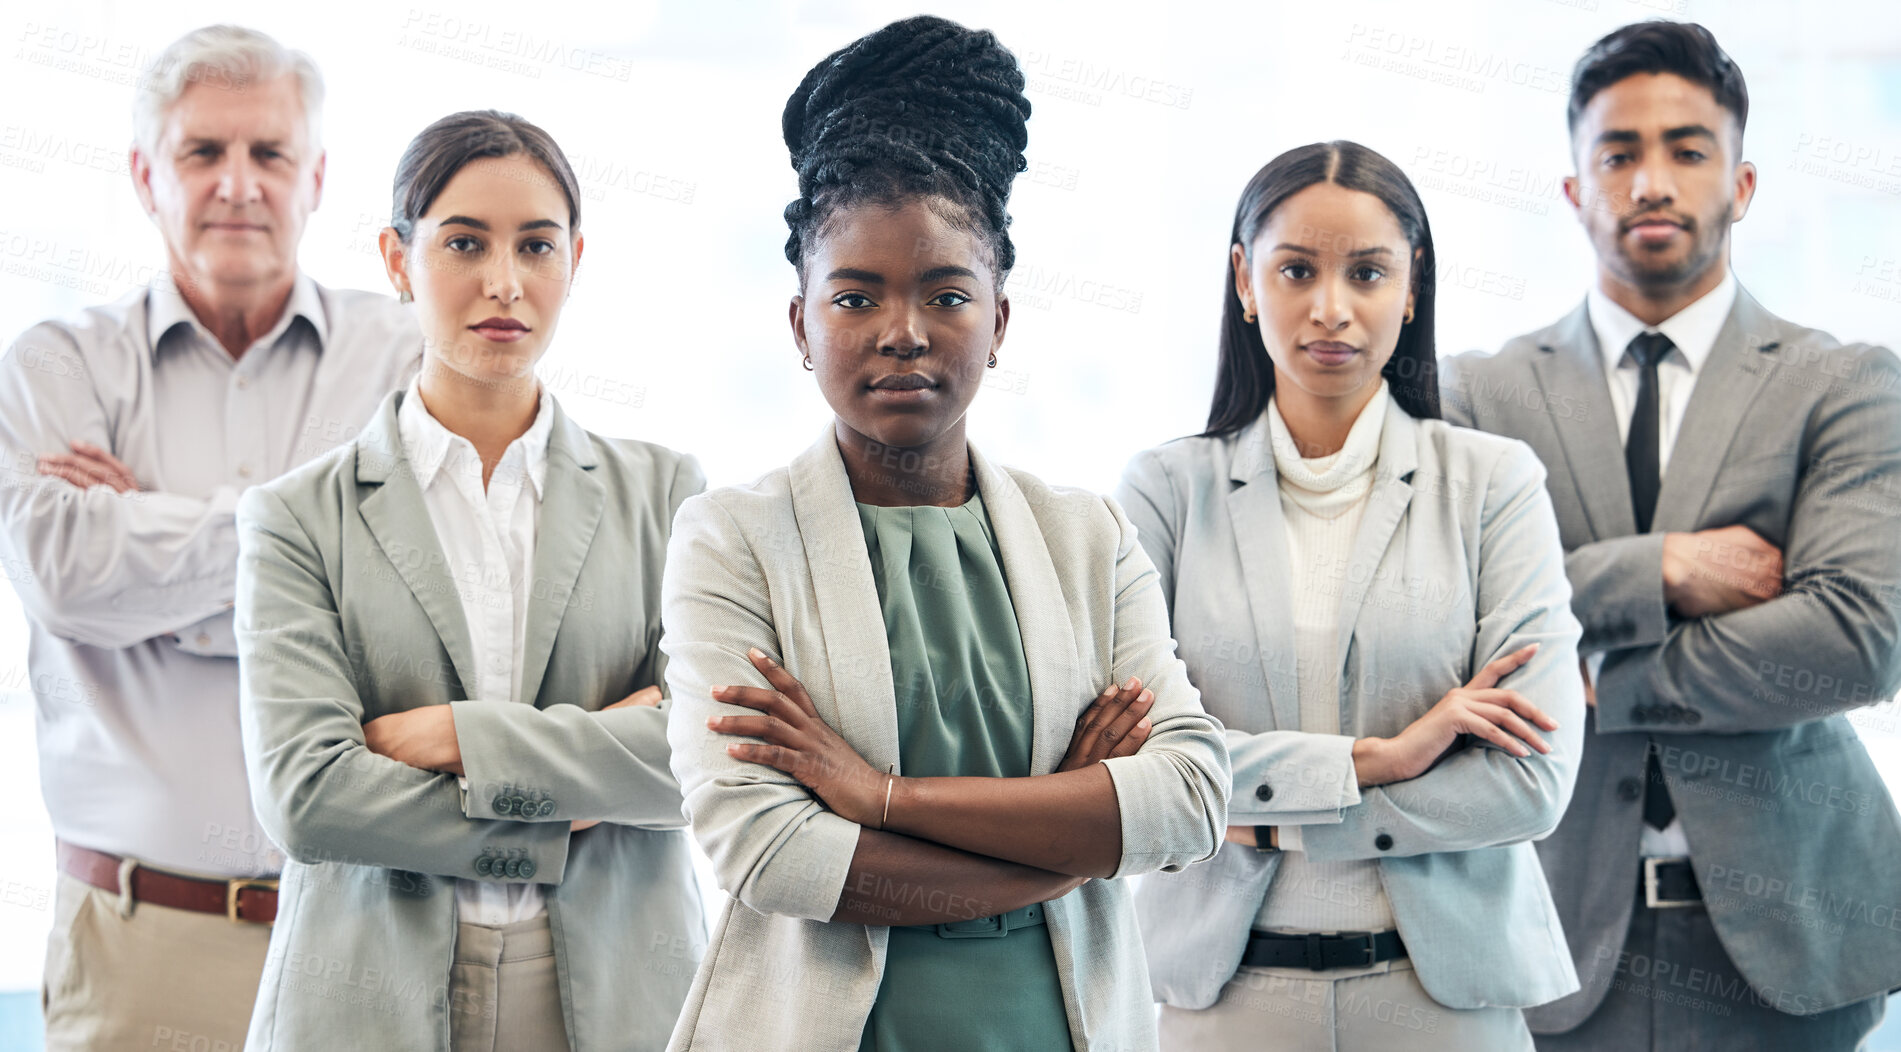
{"x":241,"y":899}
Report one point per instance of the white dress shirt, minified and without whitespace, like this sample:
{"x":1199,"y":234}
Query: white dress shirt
{"x":128,"y":596}
{"x":488,"y":539}
{"x":1693,"y":330}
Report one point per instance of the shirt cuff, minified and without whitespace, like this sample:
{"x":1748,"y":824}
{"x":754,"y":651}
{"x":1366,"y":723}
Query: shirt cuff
{"x":1287,"y":838}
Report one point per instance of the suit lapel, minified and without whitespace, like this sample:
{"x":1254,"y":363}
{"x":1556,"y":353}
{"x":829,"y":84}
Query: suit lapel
{"x":1593,"y":450}
{"x":1386,"y":505}
{"x":1731,"y":378}
{"x":851,"y":623}
{"x":1260,"y":534}
{"x":1048,"y":633}
{"x":399,"y":520}
{"x":571,"y":504}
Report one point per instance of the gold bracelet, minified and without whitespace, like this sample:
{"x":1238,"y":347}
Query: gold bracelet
{"x":891,"y":779}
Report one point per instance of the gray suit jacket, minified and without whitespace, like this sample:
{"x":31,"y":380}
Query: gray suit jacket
{"x":1795,"y":840}
{"x":1456,"y":563}
{"x":781,"y":565}
{"x":346,"y":612}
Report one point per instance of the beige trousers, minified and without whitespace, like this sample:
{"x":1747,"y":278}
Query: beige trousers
{"x":504,"y":995}
{"x":159,"y":978}
{"x":1346,"y":1010}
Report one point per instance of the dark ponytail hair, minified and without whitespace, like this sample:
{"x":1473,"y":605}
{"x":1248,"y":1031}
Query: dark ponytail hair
{"x":447,"y":146}
{"x":1244,"y":375}
{"x":923,"y":108}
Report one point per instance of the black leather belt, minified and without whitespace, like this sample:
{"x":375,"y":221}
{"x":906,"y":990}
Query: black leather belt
{"x":1349,"y":949}
{"x":1670,"y":883}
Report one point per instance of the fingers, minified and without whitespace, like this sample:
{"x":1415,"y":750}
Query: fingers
{"x":72,"y":469}
{"x":1475,"y":723}
{"x":767,"y":728}
{"x":1116,"y":732}
{"x":119,"y":475}
{"x":1498,"y":668}
{"x":645,"y":696}
{"x":775,"y":756}
{"x":766,"y":700}
{"x":785,"y":682}
{"x":1500,"y":716}
{"x":1517,"y":703}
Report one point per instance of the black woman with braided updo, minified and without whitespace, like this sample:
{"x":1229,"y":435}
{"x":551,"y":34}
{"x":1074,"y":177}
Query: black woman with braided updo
{"x":888,"y":659}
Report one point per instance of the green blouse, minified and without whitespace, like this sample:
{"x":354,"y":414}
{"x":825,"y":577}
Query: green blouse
{"x":963,"y":698}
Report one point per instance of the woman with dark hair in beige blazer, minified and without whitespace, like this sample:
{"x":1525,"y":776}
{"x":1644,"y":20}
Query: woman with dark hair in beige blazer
{"x":486,"y":846}
{"x":880,"y":654}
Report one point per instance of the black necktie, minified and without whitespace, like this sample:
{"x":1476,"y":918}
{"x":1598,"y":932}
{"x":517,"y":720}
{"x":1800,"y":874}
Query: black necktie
{"x":1640,"y":459}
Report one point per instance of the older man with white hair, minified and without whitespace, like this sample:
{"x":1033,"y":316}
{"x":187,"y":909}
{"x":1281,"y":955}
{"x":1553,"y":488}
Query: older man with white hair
{"x":128,"y":432}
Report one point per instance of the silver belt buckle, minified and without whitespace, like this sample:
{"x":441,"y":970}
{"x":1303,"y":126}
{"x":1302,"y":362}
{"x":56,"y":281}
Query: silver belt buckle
{"x":1651,"y":897}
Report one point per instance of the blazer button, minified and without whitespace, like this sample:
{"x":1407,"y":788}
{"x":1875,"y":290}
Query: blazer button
{"x":513,"y":869}
{"x":1264,"y":792}
{"x":515,"y":805}
{"x":1692,"y":716}
{"x":1640,"y":714}
{"x":503,"y":805}
{"x":527,"y":868}
{"x":1383,"y":842}
{"x":484,"y":864}
{"x":1629,"y":789}
{"x":547,"y":808}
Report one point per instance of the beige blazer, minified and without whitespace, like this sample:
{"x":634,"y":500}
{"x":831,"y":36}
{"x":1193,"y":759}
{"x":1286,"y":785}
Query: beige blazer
{"x":781,"y":565}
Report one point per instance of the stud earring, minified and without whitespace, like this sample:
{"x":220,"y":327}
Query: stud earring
{"x":993,"y":359}
{"x":405,"y":297}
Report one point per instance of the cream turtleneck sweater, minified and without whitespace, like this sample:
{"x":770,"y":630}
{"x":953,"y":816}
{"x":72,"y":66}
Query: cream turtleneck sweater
{"x":1322,"y":499}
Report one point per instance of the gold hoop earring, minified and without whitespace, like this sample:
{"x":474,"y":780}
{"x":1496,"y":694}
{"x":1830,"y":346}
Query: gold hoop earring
{"x":993,"y":360}
{"x":1409,"y":315}
{"x":808,"y":363}
{"x":1247,"y":316}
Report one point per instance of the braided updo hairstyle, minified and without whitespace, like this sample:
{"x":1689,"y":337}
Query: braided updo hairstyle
{"x":923,"y":108}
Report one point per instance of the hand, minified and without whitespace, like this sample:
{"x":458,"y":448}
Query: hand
{"x":645,"y":696}
{"x":1716,"y":571}
{"x":1479,"y":708}
{"x":584,"y":823}
{"x":422,"y":737}
{"x":801,"y":744}
{"x":88,"y":465}
{"x":1590,"y":689}
{"x":1115,"y":724}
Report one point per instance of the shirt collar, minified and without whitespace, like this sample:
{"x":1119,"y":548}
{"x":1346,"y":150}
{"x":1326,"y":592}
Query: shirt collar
{"x":166,"y":309}
{"x":1693,"y":329}
{"x":427,"y":444}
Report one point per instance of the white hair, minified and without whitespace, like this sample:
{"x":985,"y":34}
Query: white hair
{"x":228,"y":56}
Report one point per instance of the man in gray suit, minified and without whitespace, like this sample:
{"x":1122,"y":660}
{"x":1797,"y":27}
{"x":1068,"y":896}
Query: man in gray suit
{"x":1728,"y":488}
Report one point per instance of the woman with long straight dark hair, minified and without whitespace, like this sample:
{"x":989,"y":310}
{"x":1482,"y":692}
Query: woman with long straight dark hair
{"x":1374,"y":604}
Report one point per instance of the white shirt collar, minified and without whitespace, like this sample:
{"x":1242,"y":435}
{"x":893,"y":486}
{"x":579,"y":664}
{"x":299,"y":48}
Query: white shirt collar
{"x":427,"y":444}
{"x":1693,"y":329}
{"x":166,"y":309}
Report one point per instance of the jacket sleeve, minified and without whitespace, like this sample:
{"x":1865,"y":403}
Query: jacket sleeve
{"x":317,"y":789}
{"x":1831,"y":642}
{"x":1282,"y":778}
{"x":773,"y":846}
{"x":1173,"y":793}
{"x":607,"y":764}
{"x":95,"y":566}
{"x":1481,"y":795}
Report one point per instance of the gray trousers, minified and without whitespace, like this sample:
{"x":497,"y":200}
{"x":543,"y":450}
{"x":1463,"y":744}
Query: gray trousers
{"x":504,"y":995}
{"x":1343,"y":1010}
{"x":1675,"y":990}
